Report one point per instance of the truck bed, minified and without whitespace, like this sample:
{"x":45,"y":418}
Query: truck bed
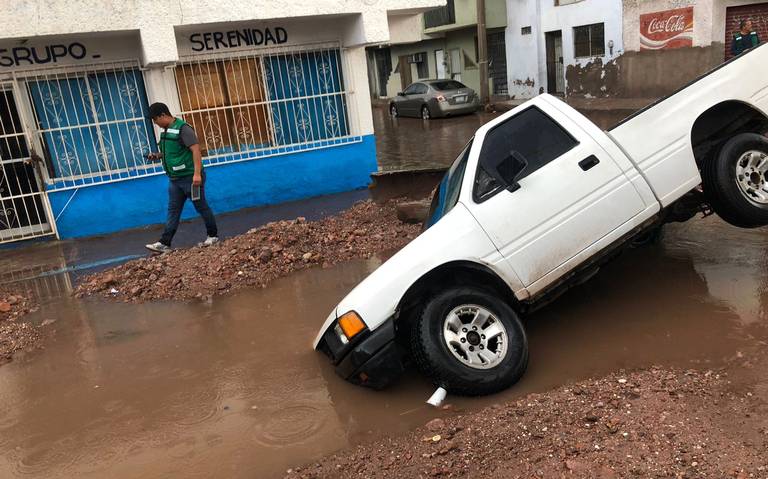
{"x":657,"y":139}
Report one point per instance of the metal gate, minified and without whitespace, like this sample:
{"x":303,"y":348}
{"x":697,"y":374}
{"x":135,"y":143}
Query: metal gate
{"x":497,"y":54}
{"x":23,"y":207}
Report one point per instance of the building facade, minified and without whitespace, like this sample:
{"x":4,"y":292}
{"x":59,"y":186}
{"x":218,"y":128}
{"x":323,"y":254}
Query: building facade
{"x":441,"y":43}
{"x":277,"y":92}
{"x":669,"y":42}
{"x":554,"y":44}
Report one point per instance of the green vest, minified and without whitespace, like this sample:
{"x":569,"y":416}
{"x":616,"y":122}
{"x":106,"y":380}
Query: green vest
{"x":177,"y":158}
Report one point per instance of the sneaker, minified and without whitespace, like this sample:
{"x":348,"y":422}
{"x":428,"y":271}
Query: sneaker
{"x":211,"y":240}
{"x":158,"y":247}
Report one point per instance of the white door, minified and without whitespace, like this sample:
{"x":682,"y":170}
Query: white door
{"x":571,"y":195}
{"x":440,"y":63}
{"x":456,"y":64}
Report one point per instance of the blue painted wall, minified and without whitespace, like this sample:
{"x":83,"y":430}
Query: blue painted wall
{"x":143,"y":201}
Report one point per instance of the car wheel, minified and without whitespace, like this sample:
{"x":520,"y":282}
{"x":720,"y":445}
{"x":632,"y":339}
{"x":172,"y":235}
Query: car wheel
{"x":393,"y":110}
{"x":425,"y":115}
{"x":736,"y":181}
{"x":469,"y":342}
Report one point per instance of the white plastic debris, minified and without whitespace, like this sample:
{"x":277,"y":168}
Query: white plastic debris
{"x":437,"y":397}
{"x":113,"y":291}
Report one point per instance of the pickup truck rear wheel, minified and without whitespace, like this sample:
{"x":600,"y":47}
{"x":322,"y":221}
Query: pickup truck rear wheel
{"x":469,"y":342}
{"x":736,"y":181}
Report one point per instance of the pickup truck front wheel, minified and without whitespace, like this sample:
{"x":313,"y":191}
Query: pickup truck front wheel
{"x":469,"y":342}
{"x":736,"y":181}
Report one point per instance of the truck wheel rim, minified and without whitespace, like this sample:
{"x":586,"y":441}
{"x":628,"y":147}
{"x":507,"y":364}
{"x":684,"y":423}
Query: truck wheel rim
{"x":475,"y":336}
{"x":751,"y":176}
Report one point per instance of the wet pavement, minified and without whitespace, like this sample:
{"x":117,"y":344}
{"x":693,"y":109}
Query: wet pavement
{"x":232,"y":388}
{"x":404,"y":144}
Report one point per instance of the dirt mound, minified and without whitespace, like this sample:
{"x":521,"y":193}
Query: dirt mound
{"x":15,"y":333}
{"x":654,"y":423}
{"x":256,"y":257}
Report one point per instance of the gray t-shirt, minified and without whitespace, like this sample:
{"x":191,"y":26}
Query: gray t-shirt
{"x":187,"y":136}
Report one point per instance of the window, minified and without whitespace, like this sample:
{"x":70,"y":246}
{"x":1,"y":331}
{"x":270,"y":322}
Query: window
{"x":525,"y":31}
{"x":447,"y":194}
{"x":445,"y":85}
{"x":412,"y":89}
{"x":250,"y":104}
{"x":589,"y":40}
{"x":533,"y":134}
{"x":422,"y":67}
{"x":440,"y":16}
{"x":93,"y":124}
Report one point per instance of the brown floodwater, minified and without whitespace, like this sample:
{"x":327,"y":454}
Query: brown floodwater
{"x":231,"y":388}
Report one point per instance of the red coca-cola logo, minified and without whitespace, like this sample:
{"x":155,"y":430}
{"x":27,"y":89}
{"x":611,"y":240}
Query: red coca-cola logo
{"x":675,"y":23}
{"x":667,"y":29}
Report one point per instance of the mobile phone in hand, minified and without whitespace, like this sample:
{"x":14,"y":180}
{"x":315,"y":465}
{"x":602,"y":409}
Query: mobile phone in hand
{"x":195,"y":192}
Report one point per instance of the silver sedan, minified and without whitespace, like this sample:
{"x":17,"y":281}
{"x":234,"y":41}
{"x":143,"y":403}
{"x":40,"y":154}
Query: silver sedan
{"x":434,"y":98}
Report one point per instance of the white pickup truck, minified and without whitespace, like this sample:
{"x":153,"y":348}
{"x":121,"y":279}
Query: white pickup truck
{"x":536,"y":202}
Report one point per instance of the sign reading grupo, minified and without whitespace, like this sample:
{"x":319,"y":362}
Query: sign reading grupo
{"x":20,"y":56}
{"x":246,"y":37}
{"x":667,"y":29}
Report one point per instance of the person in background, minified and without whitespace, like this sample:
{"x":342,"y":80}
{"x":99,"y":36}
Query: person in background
{"x":745,"y":38}
{"x":183,"y":163}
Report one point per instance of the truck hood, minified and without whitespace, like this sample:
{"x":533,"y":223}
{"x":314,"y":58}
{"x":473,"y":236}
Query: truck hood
{"x":456,"y":237}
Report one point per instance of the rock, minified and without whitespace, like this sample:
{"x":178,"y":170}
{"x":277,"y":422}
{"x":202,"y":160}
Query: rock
{"x":136,"y":290}
{"x":108,"y":280}
{"x":436,"y":425}
{"x":4,"y":307}
{"x":413,"y":211}
{"x":265,"y":255}
{"x":13,"y":299}
{"x":48,"y":322}
{"x":306,"y":256}
{"x":153,"y":277}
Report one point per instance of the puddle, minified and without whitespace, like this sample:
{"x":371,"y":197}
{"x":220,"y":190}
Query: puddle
{"x":233,"y":389}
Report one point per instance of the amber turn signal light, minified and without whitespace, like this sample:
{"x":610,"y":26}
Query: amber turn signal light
{"x":351,"y":324}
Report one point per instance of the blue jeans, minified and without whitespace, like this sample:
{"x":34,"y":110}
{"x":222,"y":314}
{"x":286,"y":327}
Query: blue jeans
{"x":179,"y":189}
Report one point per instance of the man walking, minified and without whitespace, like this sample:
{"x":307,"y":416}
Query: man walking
{"x":744,"y":39}
{"x":183,"y":163}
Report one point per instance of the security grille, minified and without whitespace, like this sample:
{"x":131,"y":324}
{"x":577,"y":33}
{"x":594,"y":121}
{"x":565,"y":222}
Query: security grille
{"x":252,"y":106}
{"x":23,"y":211}
{"x":92,"y":123}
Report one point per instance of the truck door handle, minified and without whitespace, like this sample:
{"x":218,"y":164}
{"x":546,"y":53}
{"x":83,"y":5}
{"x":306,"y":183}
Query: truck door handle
{"x":588,"y":162}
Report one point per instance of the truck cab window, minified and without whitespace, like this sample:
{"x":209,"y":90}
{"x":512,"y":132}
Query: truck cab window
{"x":533,"y":134}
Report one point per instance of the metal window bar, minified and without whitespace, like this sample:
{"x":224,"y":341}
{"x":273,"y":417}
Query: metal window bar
{"x":91,"y":122}
{"x":249,"y":105}
{"x":23,"y":212}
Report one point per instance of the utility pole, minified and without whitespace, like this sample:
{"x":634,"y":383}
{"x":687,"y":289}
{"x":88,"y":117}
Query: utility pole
{"x":482,"y":51}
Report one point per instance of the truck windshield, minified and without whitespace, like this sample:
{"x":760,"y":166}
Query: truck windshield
{"x":447,"y":194}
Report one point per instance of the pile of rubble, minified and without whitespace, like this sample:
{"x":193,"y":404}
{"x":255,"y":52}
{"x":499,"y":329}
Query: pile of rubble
{"x":256,"y":257}
{"x":15,"y":333}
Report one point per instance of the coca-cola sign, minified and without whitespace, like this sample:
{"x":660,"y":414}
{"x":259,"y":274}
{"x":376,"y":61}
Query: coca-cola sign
{"x":667,"y":29}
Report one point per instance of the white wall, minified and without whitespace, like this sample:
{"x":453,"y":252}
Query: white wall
{"x":523,"y":50}
{"x":156,"y":20}
{"x":526,"y":54}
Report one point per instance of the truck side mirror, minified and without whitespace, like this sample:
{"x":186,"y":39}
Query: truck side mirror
{"x":511,"y":169}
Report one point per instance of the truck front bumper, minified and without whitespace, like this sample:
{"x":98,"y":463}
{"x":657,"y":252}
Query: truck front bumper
{"x":372,"y":358}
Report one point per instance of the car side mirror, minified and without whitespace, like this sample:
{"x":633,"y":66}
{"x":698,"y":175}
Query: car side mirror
{"x":400,"y":93}
{"x":511,"y":169}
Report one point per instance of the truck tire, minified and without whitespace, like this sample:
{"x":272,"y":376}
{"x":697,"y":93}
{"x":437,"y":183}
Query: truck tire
{"x":469,"y":342}
{"x":736,"y":181}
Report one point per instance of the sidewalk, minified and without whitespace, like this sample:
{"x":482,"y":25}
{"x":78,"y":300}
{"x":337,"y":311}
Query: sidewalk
{"x":48,"y":258}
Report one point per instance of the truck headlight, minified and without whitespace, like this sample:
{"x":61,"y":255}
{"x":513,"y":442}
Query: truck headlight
{"x":348,"y":326}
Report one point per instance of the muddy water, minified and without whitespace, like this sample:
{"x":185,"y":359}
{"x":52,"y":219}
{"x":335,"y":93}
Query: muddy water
{"x":232,"y":389}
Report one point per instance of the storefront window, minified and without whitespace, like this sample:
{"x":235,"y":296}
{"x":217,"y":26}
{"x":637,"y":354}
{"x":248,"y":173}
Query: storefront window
{"x":92,"y":123}
{"x":248,"y":104}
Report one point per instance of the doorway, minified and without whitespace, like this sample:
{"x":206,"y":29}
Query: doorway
{"x":404,"y":67}
{"x":440,"y":64}
{"x":22,"y":207}
{"x":555,"y":72}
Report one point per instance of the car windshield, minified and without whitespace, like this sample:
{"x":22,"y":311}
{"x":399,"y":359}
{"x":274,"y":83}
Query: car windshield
{"x":447,"y":194}
{"x":447,"y":85}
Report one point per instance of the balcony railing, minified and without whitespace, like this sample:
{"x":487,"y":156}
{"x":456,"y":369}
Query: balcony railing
{"x":440,"y":16}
